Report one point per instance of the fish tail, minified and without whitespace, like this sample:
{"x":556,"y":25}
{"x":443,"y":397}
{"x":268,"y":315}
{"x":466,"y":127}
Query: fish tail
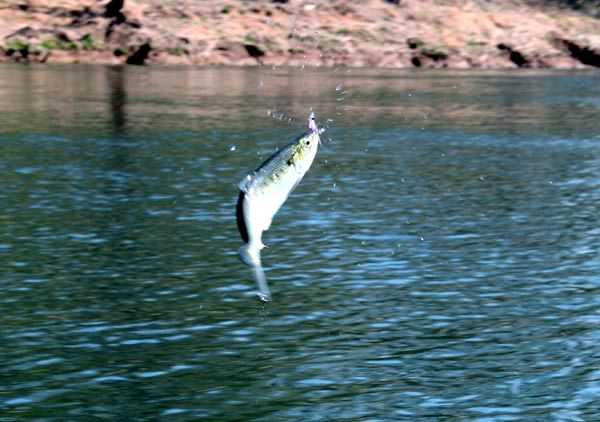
{"x":250,"y":256}
{"x":261,"y":281}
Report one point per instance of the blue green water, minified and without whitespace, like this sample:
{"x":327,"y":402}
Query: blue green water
{"x":440,"y":260}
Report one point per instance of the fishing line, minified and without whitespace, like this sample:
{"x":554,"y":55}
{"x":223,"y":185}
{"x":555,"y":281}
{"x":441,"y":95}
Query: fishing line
{"x":289,"y":111}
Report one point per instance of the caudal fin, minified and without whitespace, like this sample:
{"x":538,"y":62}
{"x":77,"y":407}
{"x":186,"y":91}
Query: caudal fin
{"x":251,"y":257}
{"x":261,"y":281}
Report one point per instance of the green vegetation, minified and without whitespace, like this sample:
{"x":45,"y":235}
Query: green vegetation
{"x":177,"y":51}
{"x":49,"y":44}
{"x":415,"y":43}
{"x":364,"y":35}
{"x":330,"y":45}
{"x":54,"y":44}
{"x":88,"y":42}
{"x":306,"y":38}
{"x":249,"y":39}
{"x":341,"y":31}
{"x":271,"y":46}
{"x":435,"y":52}
{"x":67,"y":45}
{"x":225,"y":10}
{"x":476,"y":44}
{"x":17,"y":45}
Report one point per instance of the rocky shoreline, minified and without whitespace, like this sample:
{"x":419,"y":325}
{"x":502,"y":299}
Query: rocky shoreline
{"x":370,"y":33}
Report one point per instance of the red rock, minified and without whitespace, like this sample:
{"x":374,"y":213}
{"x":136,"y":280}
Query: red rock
{"x":370,"y":33}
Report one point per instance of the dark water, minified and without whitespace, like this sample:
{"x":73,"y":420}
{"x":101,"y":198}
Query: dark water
{"x":440,"y":260}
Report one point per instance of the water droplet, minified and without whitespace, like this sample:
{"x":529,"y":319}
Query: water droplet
{"x":339,"y":87}
{"x":232,"y":148}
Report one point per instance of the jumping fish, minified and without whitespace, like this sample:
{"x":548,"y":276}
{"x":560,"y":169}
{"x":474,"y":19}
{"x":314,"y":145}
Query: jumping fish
{"x":264,"y":191}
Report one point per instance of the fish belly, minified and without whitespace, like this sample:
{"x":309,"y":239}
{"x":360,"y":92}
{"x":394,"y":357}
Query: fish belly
{"x":262,"y":203}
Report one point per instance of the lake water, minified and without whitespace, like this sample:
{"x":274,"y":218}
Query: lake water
{"x":439,"y":261}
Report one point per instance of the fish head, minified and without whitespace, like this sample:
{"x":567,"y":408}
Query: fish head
{"x":309,"y":142}
{"x":304,"y":148}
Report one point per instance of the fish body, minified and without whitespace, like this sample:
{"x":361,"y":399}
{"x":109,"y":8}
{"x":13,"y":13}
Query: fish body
{"x":264,"y":191}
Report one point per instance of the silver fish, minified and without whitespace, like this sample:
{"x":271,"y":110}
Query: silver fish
{"x":264,"y":191}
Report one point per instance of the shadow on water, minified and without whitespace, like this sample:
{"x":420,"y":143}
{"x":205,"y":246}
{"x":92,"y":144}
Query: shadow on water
{"x":118,"y":96}
{"x":439,"y":261}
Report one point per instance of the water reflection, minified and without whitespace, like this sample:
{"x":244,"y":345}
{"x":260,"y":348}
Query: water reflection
{"x":118,"y":96}
{"x":439,"y":261}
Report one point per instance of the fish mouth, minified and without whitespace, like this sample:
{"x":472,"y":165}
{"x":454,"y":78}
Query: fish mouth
{"x":312,"y":125}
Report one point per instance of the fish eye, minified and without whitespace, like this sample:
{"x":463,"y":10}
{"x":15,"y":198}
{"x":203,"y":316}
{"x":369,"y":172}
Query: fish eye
{"x":307,"y":142}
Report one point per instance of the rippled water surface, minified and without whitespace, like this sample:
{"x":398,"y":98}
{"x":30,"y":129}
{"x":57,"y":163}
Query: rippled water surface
{"x":439,"y":261}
